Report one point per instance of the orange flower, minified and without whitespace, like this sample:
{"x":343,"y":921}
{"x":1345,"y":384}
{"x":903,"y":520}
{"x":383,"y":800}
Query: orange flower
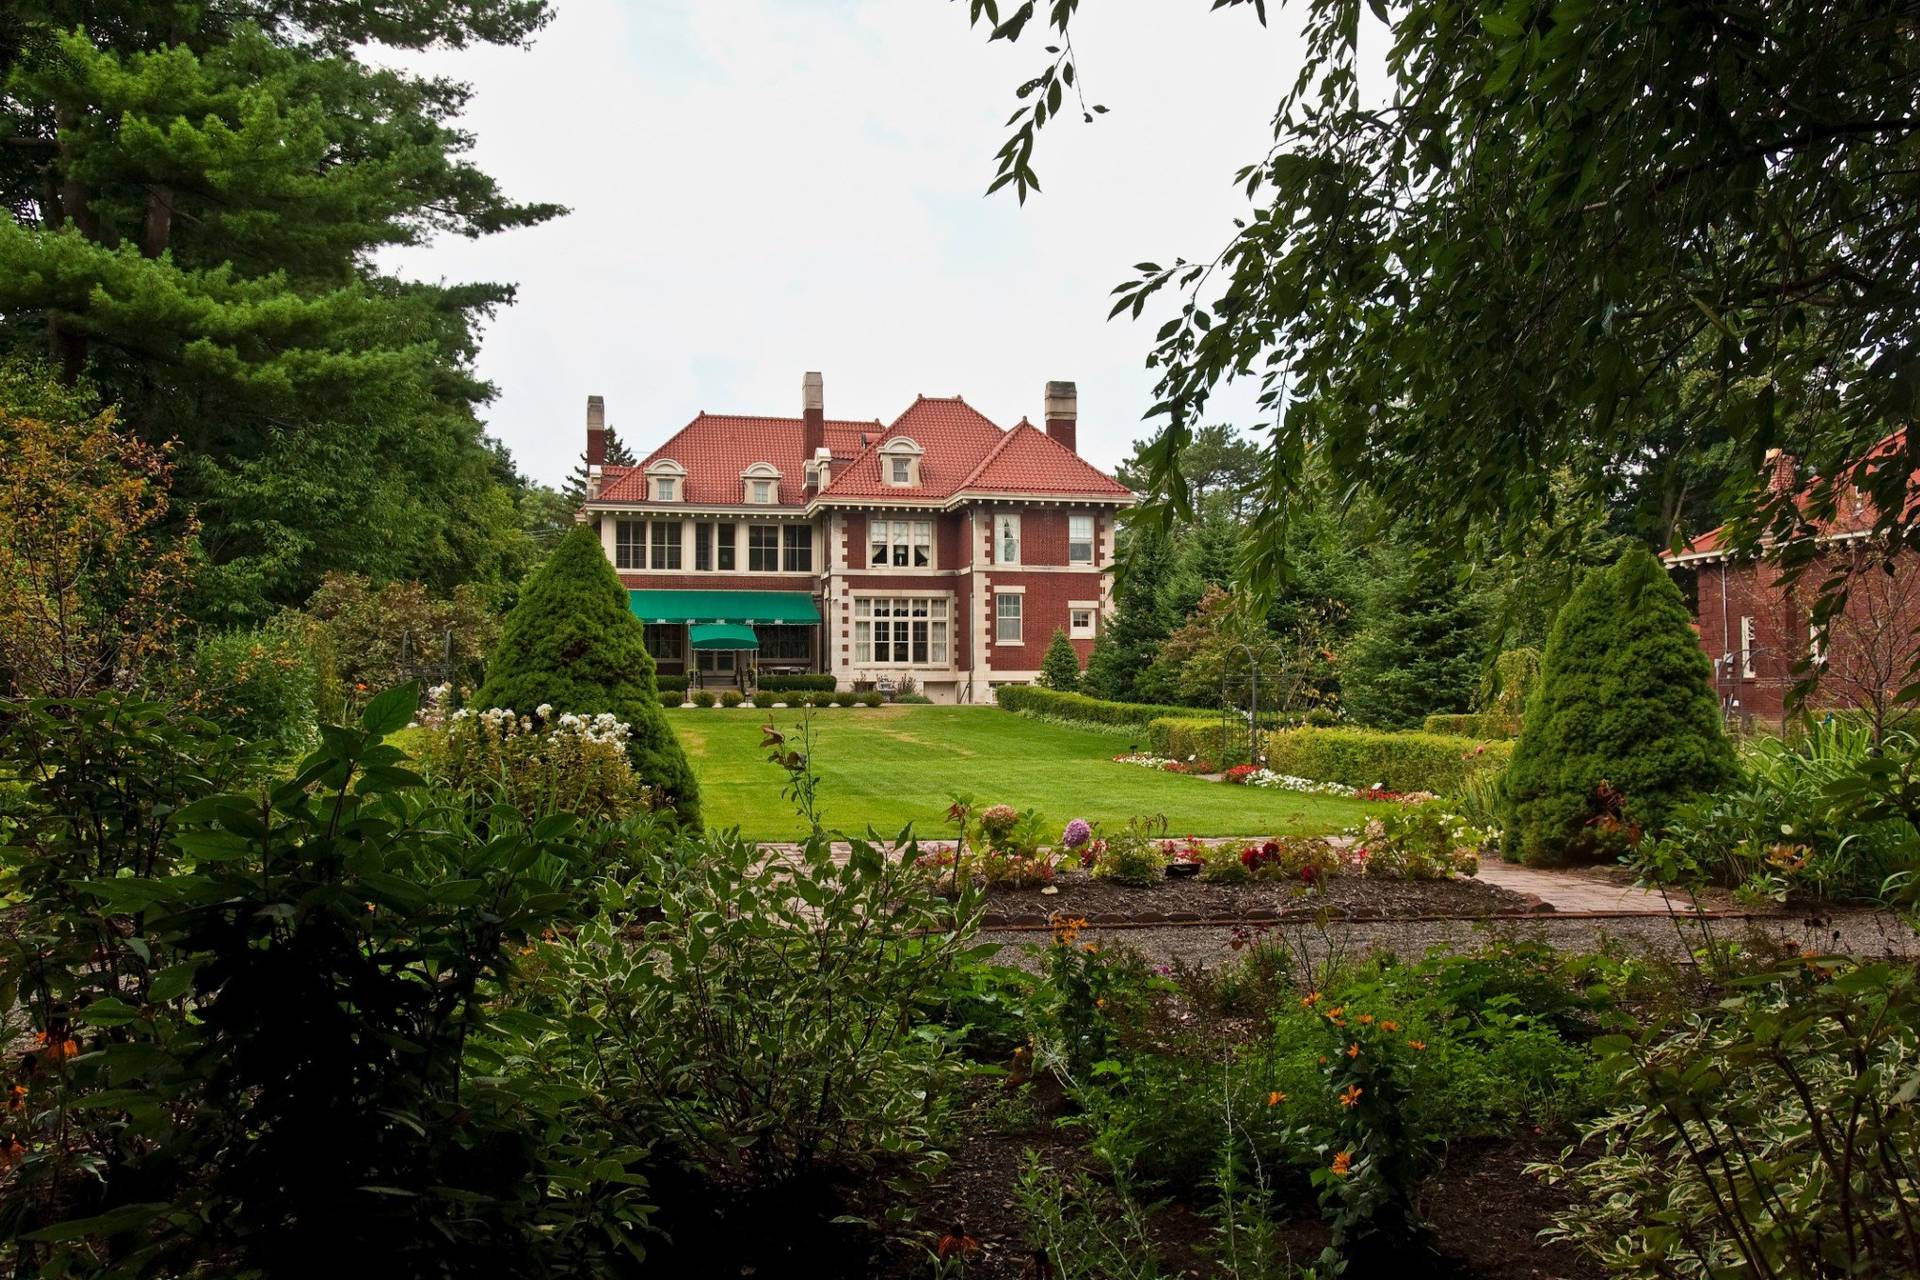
{"x":957,"y":1245}
{"x":11,"y":1153}
{"x":1416,"y":1045}
{"x":1342,"y":1161}
{"x":1366,"y":1019}
{"x":17,"y":1097}
{"x":1100,"y":1003}
{"x":1066,"y":929}
{"x":1389,"y":1025}
{"x":1353,"y":1050}
{"x":1351,"y":1096}
{"x":1336,"y":1011}
{"x":1275,"y":1098}
{"x":1309,"y":1000}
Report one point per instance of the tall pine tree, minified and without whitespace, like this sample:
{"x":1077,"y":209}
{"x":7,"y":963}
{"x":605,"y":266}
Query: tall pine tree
{"x":1141,"y":620}
{"x":1421,"y":645}
{"x":197,"y":192}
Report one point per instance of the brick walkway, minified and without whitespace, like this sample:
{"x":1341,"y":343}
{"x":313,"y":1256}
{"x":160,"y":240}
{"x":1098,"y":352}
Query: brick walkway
{"x":1573,"y":890}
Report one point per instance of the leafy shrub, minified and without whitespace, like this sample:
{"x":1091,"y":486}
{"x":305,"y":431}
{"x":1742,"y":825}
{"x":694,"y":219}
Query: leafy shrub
{"x":798,"y":683}
{"x":1472,"y":724}
{"x":842,"y":698}
{"x":871,"y":699}
{"x":731,"y":698}
{"x":261,"y":684}
{"x":1053,"y":704}
{"x":704,"y":698}
{"x":1419,"y":842}
{"x":1308,"y":860}
{"x":915,"y":699}
{"x":818,"y":698}
{"x":764,"y":1064}
{"x":671,"y":684}
{"x":384,"y":636}
{"x":538,"y":765}
{"x":572,"y":643}
{"x":1132,"y":856}
{"x":671,"y":700}
{"x":300,"y":966}
{"x":1624,"y":725}
{"x":1785,"y":828}
{"x":1353,"y":757}
{"x":1771,"y":1134}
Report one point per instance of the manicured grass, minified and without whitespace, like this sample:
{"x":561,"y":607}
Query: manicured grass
{"x":883,"y":767}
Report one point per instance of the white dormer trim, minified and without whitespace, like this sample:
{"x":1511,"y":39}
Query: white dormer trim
{"x":900,"y":462}
{"x":760,"y":485}
{"x":666,"y":481}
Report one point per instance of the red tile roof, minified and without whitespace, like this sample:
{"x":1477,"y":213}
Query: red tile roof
{"x":716,"y":447}
{"x":962,"y":450}
{"x":1854,"y":512}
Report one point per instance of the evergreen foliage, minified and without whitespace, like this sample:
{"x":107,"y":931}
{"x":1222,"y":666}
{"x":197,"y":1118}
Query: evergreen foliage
{"x":571,"y":642}
{"x":618,"y":455}
{"x":196,"y":195}
{"x":1141,"y":620}
{"x":1421,"y":645}
{"x":1060,"y":669}
{"x":1623,"y":725}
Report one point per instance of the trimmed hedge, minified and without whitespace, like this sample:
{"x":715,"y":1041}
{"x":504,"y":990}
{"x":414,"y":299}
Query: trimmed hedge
{"x":799,"y":684}
{"x":1355,"y":757}
{"x":671,"y":684}
{"x":1033,"y":700}
{"x":1474,"y":724}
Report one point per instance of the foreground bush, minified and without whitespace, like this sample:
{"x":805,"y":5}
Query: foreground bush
{"x":1623,"y":725}
{"x":248,"y":1002}
{"x":572,"y":644}
{"x":261,"y":684}
{"x":537,"y":764}
{"x":1057,"y":704}
{"x":1771,"y":1134}
{"x":761,"y":1023}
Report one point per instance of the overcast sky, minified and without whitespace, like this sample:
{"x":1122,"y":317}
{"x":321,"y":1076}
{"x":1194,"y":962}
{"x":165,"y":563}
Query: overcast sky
{"x":763,"y":187}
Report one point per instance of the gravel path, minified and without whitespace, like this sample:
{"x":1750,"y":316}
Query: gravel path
{"x":1864,"y":933}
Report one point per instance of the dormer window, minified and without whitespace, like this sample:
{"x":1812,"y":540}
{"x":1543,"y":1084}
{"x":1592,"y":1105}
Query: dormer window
{"x":761,"y":483}
{"x":900,"y":462}
{"x":666,"y":481}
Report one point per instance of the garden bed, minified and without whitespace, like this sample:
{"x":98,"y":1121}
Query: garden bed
{"x":1175,"y":901}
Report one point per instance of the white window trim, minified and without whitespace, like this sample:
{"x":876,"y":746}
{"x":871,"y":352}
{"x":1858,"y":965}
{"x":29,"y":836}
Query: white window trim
{"x":670,"y":473}
{"x":758,"y":473}
{"x":940,"y":630}
{"x":912,"y":525}
{"x":1746,"y":647}
{"x":901,"y":449}
{"x":1020,"y":617}
{"x":997,"y":518}
{"x":1091,"y":541}
{"x":1092,"y":608}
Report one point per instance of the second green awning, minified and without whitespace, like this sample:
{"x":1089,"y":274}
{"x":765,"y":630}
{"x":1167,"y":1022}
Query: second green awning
{"x":744,"y":607}
{"x":721,"y":635}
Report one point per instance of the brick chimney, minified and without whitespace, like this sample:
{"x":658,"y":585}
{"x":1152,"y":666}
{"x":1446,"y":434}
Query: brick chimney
{"x":1063,"y":412}
{"x":1782,"y":471}
{"x":813,"y":415}
{"x":596,"y":432}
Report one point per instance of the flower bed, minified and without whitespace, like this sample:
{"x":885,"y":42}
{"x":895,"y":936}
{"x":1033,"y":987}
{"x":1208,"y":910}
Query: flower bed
{"x":1252,"y":775}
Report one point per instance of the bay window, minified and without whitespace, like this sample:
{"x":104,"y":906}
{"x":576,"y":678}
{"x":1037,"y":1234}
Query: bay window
{"x":900,"y":630}
{"x":630,"y":544}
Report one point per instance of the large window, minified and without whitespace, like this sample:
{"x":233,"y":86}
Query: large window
{"x":703,"y":548}
{"x":664,"y":641}
{"x":1079,"y":539}
{"x":900,"y":630}
{"x":630,"y":544}
{"x":1006,"y":539}
{"x":785,"y":644}
{"x":900,"y":543}
{"x":763,"y":548}
{"x":665,"y":544}
{"x":724,"y":548}
{"x":1006,"y":618}
{"x":796,"y":552}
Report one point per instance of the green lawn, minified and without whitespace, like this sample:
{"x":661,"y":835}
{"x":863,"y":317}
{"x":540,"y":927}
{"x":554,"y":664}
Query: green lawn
{"x":887,"y":766}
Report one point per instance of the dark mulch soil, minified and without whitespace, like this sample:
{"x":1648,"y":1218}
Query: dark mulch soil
{"x":1484,"y":1213}
{"x":1176,"y":900}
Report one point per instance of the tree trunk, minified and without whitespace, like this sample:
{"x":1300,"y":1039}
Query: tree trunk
{"x":158,"y":231}
{"x":66,"y":339}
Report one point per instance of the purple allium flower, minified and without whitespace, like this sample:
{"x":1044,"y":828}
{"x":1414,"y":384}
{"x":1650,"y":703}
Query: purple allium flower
{"x":1076,"y":834}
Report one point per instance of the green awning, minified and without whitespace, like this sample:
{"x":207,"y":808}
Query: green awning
{"x":722,"y":635}
{"x":744,"y":607}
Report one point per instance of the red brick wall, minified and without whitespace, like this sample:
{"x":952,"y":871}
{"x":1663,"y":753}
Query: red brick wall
{"x":950,"y":541}
{"x":1044,"y":610}
{"x":856,"y":549}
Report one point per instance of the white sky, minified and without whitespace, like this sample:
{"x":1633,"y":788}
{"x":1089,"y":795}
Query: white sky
{"x":763,"y":187}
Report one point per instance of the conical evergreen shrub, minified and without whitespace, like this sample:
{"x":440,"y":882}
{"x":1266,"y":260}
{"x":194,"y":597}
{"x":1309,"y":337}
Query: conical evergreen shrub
{"x":1060,"y":669}
{"x":1623,"y":723}
{"x":572,"y":642}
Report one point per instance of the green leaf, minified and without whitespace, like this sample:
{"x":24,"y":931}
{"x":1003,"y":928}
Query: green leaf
{"x":392,"y":710}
